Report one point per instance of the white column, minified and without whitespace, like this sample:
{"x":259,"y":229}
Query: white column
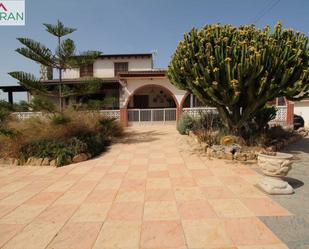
{"x":191,"y":100}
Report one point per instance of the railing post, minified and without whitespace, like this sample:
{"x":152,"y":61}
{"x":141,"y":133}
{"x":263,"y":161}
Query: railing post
{"x":151,"y":115}
{"x":164,"y":110}
{"x":139,"y":115}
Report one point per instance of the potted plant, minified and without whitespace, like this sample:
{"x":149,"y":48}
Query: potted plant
{"x":274,"y":166}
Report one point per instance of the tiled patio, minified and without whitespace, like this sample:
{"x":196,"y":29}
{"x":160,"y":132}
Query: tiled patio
{"x":143,"y":193}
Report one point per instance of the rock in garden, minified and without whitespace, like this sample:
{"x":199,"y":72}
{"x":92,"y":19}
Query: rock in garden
{"x":37,"y":161}
{"x":80,"y":158}
{"x":53,"y":163}
{"x":239,"y":156}
{"x":228,"y":156}
{"x":45,"y":162}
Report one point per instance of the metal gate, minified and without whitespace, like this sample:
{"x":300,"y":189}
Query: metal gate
{"x":152,"y":115}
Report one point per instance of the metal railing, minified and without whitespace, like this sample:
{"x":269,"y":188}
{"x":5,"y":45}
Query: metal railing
{"x":196,"y":111}
{"x":281,"y":116}
{"x":111,"y":113}
{"x":152,"y":115}
{"x":25,"y":115}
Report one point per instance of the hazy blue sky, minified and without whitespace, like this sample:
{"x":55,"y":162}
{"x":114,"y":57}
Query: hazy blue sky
{"x":137,"y":26}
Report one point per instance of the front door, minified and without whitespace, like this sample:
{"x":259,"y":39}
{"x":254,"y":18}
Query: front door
{"x":141,"y":101}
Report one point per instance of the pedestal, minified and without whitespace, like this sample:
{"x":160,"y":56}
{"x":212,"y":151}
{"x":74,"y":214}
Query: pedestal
{"x":275,"y":186}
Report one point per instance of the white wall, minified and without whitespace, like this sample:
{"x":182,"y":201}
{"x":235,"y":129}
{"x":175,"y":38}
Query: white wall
{"x":156,"y":98}
{"x":133,"y":84}
{"x":71,"y":73}
{"x":104,"y":68}
{"x":302,"y":108}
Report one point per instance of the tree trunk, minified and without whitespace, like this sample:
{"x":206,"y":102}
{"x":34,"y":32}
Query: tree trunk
{"x":60,"y":81}
{"x":60,"y":91}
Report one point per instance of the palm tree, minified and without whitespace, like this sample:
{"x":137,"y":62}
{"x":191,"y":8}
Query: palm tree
{"x":65,"y":57}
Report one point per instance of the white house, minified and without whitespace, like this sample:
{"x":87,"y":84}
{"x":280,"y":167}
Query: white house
{"x":302,"y":108}
{"x":143,"y":93}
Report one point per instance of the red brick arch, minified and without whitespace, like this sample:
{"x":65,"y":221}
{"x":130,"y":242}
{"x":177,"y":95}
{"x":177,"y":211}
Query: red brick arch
{"x":124,"y":110}
{"x":183,"y":100}
{"x":148,"y":86}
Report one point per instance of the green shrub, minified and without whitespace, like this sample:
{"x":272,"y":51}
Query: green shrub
{"x":39,"y":103}
{"x":110,"y":127}
{"x":64,"y":150}
{"x":60,"y":119}
{"x":184,"y":124}
{"x":207,"y":121}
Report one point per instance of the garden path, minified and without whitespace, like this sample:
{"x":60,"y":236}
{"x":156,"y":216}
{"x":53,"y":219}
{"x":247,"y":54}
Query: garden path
{"x":146,"y":191}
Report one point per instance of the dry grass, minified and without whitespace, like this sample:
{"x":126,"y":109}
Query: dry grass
{"x":39,"y":129}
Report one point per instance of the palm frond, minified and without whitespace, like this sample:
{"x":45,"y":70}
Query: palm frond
{"x":36,"y":51}
{"x":58,"y":29}
{"x":29,"y":81}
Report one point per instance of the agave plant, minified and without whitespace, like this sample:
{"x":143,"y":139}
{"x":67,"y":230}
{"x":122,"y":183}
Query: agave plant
{"x":65,"y":57}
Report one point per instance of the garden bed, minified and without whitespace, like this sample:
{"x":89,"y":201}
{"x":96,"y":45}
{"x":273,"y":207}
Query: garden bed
{"x":212,"y":140}
{"x":56,"y":139}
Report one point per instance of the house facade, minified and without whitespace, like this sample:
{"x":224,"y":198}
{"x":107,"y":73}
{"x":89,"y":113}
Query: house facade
{"x":142,"y":93}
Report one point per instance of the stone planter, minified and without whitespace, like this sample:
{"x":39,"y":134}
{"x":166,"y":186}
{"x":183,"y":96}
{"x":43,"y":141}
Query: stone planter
{"x":274,"y":167}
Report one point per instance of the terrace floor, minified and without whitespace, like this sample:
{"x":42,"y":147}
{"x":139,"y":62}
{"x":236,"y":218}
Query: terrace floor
{"x":144,"y":192}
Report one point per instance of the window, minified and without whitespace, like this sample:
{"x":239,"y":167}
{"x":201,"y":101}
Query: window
{"x":86,"y":71}
{"x":121,"y":67}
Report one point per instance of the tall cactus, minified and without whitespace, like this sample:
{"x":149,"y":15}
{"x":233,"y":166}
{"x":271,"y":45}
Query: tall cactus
{"x":238,"y":70}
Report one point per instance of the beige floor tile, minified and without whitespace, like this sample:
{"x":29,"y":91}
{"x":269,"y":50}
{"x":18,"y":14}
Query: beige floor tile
{"x":119,"y":234}
{"x":206,"y":233}
{"x":162,"y":234}
{"x":17,"y":198}
{"x":14,"y":186}
{"x":161,"y":210}
{"x":71,"y":198}
{"x":208,"y":181}
{"x":7,"y":231}
{"x":91,"y":213}
{"x":23,"y":214}
{"x":136,"y":174}
{"x":158,"y":183}
{"x":76,"y":236}
{"x":60,"y":186}
{"x":128,"y":196}
{"x":226,"y":208}
{"x":132,"y":211}
{"x":34,"y":236}
{"x":56,"y":214}
{"x":108,"y":184}
{"x":189,"y":194}
{"x":272,"y":246}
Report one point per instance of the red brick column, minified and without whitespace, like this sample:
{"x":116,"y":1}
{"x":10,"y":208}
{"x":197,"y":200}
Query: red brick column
{"x":290,"y":113}
{"x":124,"y":116}
{"x":178,"y":112}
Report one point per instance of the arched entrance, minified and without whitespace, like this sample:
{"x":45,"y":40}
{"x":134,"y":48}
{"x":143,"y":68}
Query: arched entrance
{"x":152,"y":104}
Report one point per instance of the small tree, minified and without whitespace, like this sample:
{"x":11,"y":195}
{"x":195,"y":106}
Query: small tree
{"x":64,"y":58}
{"x":238,"y":70}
